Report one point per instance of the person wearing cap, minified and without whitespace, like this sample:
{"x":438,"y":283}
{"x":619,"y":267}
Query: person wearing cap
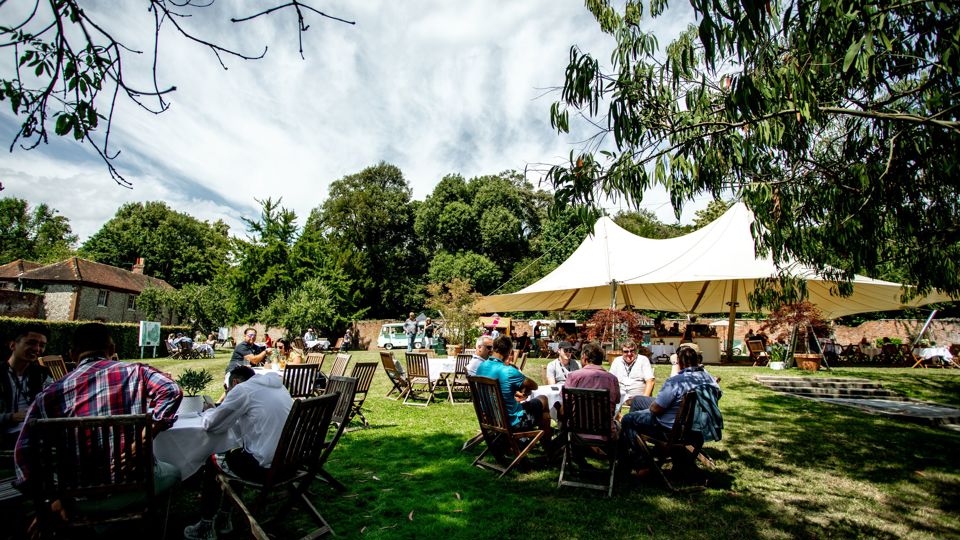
{"x":558,"y":369}
{"x":674,"y":364}
{"x":634,"y":371}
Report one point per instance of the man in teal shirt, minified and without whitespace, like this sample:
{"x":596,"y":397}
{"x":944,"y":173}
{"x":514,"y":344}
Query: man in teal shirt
{"x":525,"y":414}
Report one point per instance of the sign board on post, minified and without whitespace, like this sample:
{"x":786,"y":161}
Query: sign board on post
{"x":149,"y":336}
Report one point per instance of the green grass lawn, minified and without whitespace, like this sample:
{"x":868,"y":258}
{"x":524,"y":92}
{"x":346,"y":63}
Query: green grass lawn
{"x":786,"y":468}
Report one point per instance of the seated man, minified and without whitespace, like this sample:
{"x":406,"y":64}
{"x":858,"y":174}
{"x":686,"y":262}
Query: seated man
{"x":634,"y":372}
{"x":182,"y":339}
{"x":247,"y":353}
{"x":558,"y":369}
{"x":525,"y":414}
{"x":656,"y":416}
{"x":258,"y":406}
{"x":21,"y":379}
{"x":592,"y":375}
{"x":484,"y":346}
{"x":103,"y":387}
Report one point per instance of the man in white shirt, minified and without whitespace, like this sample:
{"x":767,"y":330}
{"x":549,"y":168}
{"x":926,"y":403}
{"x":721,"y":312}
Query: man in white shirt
{"x":558,"y":369}
{"x":484,"y":347}
{"x":634,"y":372}
{"x":257,"y":406}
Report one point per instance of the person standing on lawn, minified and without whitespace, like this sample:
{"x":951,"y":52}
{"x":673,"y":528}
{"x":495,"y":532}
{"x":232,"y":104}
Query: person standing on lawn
{"x":410,"y":329}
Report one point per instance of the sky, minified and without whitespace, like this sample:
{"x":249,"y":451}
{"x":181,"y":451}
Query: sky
{"x":433,"y":87}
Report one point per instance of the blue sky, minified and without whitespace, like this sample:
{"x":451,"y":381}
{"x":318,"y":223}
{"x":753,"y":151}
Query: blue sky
{"x":432,"y":87}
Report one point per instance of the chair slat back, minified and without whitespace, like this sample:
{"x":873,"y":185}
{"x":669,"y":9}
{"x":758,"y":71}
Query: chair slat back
{"x":298,"y":343}
{"x":460,"y":368}
{"x":56,"y":365}
{"x":389,"y":363}
{"x":346,"y":387}
{"x":94,"y":456}
{"x":418,"y":366}
{"x":683,"y":423}
{"x":363,"y":372}
{"x":489,"y":406}
{"x":300,"y":378}
{"x":755,"y":346}
{"x":587,"y":411}
{"x":302,"y":439}
{"x":315,"y":358}
{"x":339,"y":368}
{"x":520,"y":362}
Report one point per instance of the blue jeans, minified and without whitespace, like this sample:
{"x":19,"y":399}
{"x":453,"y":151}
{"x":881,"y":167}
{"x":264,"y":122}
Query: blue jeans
{"x":410,"y":340}
{"x":636,"y":422}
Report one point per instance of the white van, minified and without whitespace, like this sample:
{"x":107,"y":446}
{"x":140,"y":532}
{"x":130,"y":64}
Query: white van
{"x":391,"y":335}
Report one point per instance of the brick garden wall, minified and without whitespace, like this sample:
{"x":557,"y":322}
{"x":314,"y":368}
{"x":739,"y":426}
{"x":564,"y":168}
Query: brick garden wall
{"x":20,"y":304}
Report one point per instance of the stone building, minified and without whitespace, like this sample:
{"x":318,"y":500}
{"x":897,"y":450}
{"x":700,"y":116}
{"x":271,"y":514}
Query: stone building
{"x":78,"y":289}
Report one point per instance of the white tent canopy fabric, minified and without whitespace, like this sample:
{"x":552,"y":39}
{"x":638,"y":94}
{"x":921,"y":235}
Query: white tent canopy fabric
{"x":700,"y":272}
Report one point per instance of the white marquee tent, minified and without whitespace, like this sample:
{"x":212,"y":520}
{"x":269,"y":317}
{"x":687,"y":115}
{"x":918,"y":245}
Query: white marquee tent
{"x":701,"y":272}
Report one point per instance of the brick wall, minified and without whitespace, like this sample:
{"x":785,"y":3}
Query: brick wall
{"x":20,"y":304}
{"x":941,"y":331}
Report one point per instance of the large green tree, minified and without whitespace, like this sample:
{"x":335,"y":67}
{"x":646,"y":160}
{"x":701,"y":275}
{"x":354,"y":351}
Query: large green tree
{"x":835,"y":121}
{"x":35,"y":234}
{"x":177,"y":247}
{"x":368,"y":220}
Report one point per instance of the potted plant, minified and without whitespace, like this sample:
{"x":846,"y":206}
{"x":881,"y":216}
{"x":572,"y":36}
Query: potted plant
{"x":799,"y":325}
{"x":192,"y":382}
{"x":778,"y":354}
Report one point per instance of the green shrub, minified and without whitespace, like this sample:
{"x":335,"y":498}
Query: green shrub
{"x":125,"y":335}
{"x":194,"y":381}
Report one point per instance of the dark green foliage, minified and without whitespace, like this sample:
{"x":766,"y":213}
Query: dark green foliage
{"x":193,"y":381}
{"x":36,"y":234}
{"x":479,"y":270}
{"x":836,"y":121}
{"x":177,"y":247}
{"x":125,"y":335}
{"x":645,"y":223}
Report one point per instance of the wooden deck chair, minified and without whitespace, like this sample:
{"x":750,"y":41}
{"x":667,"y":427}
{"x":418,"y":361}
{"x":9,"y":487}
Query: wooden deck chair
{"x":296,"y":463}
{"x":890,"y":354}
{"x":680,"y":447}
{"x":55,"y":364}
{"x":300,"y":379}
{"x":586,"y":423}
{"x":519,"y":359}
{"x":172,"y":351}
{"x":398,"y":381}
{"x":457,"y":381}
{"x":346,"y":388}
{"x":339,"y":368}
{"x":418,"y":375}
{"x":363,"y":372}
{"x":299,"y":344}
{"x":315,"y":358}
{"x":502,"y":444}
{"x":757,"y":352}
{"x":90,"y":464}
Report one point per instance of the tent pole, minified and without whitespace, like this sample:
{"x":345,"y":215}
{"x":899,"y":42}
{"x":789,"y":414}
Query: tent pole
{"x":924,"y":329}
{"x":613,"y":306}
{"x":732,"y":320}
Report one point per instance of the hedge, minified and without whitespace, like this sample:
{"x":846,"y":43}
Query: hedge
{"x":125,"y":335}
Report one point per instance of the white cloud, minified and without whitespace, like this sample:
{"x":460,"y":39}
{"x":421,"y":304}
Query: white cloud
{"x":432,"y":87}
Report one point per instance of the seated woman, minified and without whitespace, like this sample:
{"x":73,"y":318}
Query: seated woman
{"x":286,"y":354}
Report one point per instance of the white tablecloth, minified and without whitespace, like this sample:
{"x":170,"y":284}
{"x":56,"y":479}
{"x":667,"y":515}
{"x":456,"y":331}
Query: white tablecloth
{"x":441,"y":365}
{"x":187,"y":446}
{"x":553,"y":394}
{"x":870,"y":351}
{"x":933,"y":352}
{"x":322,"y":343}
{"x":656,"y":351}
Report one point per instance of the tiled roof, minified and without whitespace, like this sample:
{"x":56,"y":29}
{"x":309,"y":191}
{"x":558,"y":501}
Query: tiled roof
{"x":82,"y":271}
{"x":12,"y":270}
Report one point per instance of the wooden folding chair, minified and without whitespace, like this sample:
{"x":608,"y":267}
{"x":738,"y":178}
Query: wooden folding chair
{"x":398,"y":381}
{"x":587,"y":422}
{"x":519,"y":359}
{"x":890,"y":354}
{"x":300,"y":379}
{"x":502,"y":444}
{"x":458,"y":379}
{"x":757,"y":352}
{"x":339,"y":368}
{"x":315,"y":358}
{"x":89,"y":463}
{"x":296,"y":463}
{"x":55,"y":364}
{"x":363,"y":372}
{"x":418,"y":376}
{"x":681,"y":446}
{"x":346,"y":388}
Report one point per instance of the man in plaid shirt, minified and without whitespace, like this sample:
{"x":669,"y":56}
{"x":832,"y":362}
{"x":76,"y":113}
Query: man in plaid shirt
{"x":103,"y":387}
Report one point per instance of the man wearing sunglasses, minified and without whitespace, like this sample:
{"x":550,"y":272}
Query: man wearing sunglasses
{"x":484,"y":348}
{"x":248,"y":353}
{"x":634,"y":372}
{"x":565,"y":363}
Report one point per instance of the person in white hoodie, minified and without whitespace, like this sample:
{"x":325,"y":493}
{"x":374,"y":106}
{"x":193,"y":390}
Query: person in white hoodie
{"x":256,"y":406}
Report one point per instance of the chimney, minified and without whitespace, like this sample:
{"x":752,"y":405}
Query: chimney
{"x":138,"y":266}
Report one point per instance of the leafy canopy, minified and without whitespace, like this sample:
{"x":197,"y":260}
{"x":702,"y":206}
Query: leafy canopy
{"x":36,"y":234}
{"x":835,"y":121}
